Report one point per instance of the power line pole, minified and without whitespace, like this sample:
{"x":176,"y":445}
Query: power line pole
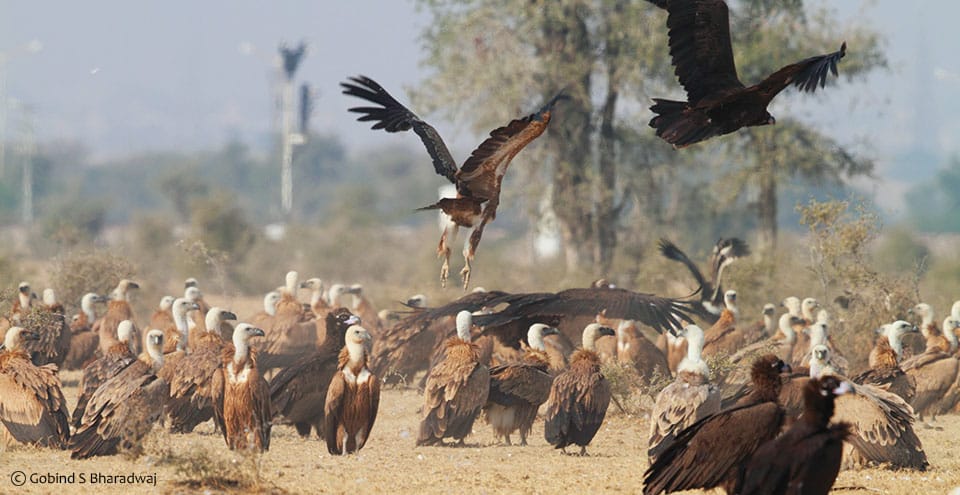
{"x":28,"y":149}
{"x":289,"y":137}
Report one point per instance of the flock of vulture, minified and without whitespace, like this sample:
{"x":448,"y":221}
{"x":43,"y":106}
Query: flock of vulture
{"x":785,"y":418}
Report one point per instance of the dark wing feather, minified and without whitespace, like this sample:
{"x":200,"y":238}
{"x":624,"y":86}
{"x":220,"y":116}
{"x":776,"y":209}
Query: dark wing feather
{"x":797,"y":460}
{"x":700,"y":47}
{"x":516,"y":382}
{"x":391,"y":116}
{"x":333,"y":413}
{"x":481,"y":174}
{"x":308,"y":376}
{"x":670,"y":251}
{"x":807,"y":74}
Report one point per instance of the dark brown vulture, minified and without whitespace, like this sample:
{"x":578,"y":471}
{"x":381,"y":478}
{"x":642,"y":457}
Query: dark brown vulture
{"x":718,"y":103}
{"x":579,"y":396}
{"x":518,"y":389}
{"x":690,"y":398}
{"x":123,"y":410}
{"x":162,"y":317}
{"x":191,"y":401}
{"x":478,"y":181}
{"x":118,"y":309}
{"x":456,"y":390}
{"x":353,"y":397}
{"x":85,"y":341}
{"x":32,"y":407}
{"x":885,"y":371}
{"x":806,"y":458}
{"x":240,"y":397}
{"x":713,"y":451}
{"x":298,"y":393}
{"x":107,"y":366}
{"x":724,"y":253}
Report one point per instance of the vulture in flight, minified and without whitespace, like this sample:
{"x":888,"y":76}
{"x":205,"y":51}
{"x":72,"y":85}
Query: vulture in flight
{"x":718,"y":103}
{"x":711,"y":293}
{"x":478,"y":180}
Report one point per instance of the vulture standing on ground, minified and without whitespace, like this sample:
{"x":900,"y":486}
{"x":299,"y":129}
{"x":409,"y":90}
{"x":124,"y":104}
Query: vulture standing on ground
{"x":32,"y":407}
{"x":298,"y":392}
{"x":690,"y":398}
{"x":885,"y":371}
{"x":806,"y":458}
{"x":713,"y":451}
{"x":724,"y":253}
{"x":85,"y":342}
{"x":578,"y":397}
{"x":107,"y":366}
{"x":353,"y":397}
{"x":118,"y":309}
{"x":240,"y":396}
{"x":122,"y":411}
{"x":478,"y":181}
{"x":718,"y":103}
{"x":935,"y":369}
{"x":191,"y":395}
{"x":518,"y":389}
{"x":456,"y":389}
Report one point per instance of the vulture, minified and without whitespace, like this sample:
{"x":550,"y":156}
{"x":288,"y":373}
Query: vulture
{"x":32,"y":407}
{"x":318,"y":305}
{"x":724,"y":253}
{"x":725,"y":336}
{"x":118,"y":309}
{"x":806,"y":458}
{"x":177,"y":337}
{"x":49,"y":320}
{"x":885,"y":371}
{"x":518,"y":389}
{"x":457,"y":388}
{"x":289,"y":334}
{"x":578,"y":397}
{"x":690,"y":398}
{"x":265,"y":318}
{"x":298,"y":392}
{"x":353,"y":397}
{"x":240,"y":396}
{"x":85,"y":342}
{"x":714,"y":451}
{"x":818,"y":336}
{"x":717,"y":102}
{"x":935,"y":370}
{"x":363,"y":307}
{"x":763,"y":328}
{"x":123,"y":410}
{"x":22,"y":304}
{"x":190,"y":401}
{"x":162,"y":317}
{"x":111,"y":363}
{"x":633,"y":348}
{"x":478,"y":180}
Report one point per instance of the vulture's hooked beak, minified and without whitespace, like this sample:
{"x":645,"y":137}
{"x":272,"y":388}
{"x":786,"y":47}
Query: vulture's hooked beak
{"x":353,"y":320}
{"x":784,"y":367}
{"x":355,"y":289}
{"x":607,"y":331}
{"x":133,"y":285}
{"x":550,"y":331}
{"x":256,"y":332}
{"x":192,"y":306}
{"x":771,"y":120}
{"x":156,"y":340}
{"x":30,"y":335}
{"x":228,"y":315}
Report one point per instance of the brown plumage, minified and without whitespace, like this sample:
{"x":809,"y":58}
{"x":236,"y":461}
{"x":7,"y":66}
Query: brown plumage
{"x":240,"y":396}
{"x":578,"y":397}
{"x":162,"y":317}
{"x":935,"y":371}
{"x":85,"y":341}
{"x":48,"y":319}
{"x":718,"y":103}
{"x":123,"y":410}
{"x":289,"y":334}
{"x":32,"y":407}
{"x":806,"y":458}
{"x":885,"y":372}
{"x":353,"y":397}
{"x":725,"y":336}
{"x":478,"y":180}
{"x":688,"y":399}
{"x":118,"y":309}
{"x":298,"y":393}
{"x":713,"y":451}
{"x":191,"y":396}
{"x":115,"y":360}
{"x":456,"y":389}
{"x":518,"y":389}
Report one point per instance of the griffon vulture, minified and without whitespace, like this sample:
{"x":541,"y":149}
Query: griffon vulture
{"x":162,"y":317}
{"x":85,"y":342}
{"x":718,"y":103}
{"x":240,"y":396}
{"x":32,"y":407}
{"x":478,"y":180}
{"x":118,"y":309}
{"x":111,"y":363}
{"x":353,"y":397}
{"x":885,"y":371}
{"x":935,"y":370}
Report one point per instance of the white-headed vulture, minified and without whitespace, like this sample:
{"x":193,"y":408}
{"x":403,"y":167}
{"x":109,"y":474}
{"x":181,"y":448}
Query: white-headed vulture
{"x":478,"y":180}
{"x":579,"y":396}
{"x":713,"y":451}
{"x":353,"y":397}
{"x":718,"y":103}
{"x":240,"y":397}
{"x":885,"y":371}
{"x":32,"y":407}
{"x":85,"y":341}
{"x":118,"y":309}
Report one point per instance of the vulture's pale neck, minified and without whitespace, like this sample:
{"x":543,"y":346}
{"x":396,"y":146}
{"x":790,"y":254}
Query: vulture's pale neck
{"x":316,"y":295}
{"x":125,"y":333}
{"x":269,"y":305}
{"x":212,"y":321}
{"x":955,"y":311}
{"x":183,"y":326}
{"x":119,"y":294}
{"x":769,"y":324}
{"x":787,"y":328}
{"x":292,"y":282}
{"x":11,"y":341}
{"x":893,"y":338}
{"x":24,"y":300}
{"x":356,"y":351}
{"x":49,"y":297}
{"x":818,"y":335}
{"x":156,"y":355}
{"x":242,"y":348}
{"x":622,"y":333}
{"x":927,"y":316}
{"x":535,"y":338}
{"x":590,"y":337}
{"x":731,"y":305}
{"x":693,"y":362}
{"x":334,"y":295}
{"x":86,"y":305}
{"x":951,"y":334}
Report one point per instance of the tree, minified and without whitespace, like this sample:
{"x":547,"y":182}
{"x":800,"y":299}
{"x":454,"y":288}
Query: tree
{"x":493,"y":58}
{"x":932,"y":205}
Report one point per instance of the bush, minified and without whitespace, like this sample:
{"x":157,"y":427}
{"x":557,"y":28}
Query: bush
{"x":75,"y":274}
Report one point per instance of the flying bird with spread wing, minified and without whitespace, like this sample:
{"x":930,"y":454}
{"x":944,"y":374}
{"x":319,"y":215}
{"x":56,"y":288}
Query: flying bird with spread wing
{"x":478,"y":180}
{"x":718,"y":103}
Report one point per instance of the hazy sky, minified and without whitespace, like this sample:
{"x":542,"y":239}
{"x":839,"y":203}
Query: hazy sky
{"x":124,"y":76}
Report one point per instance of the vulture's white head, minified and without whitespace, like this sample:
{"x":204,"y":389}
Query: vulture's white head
{"x":536,"y":333}
{"x":820,"y":364}
{"x":122,"y":291}
{"x":417,"y":301}
{"x":314,"y":284}
{"x":955,"y":310}
{"x":823,"y":316}
{"x":292,"y":281}
{"x":190,"y":282}
{"x":155,"y":347}
{"x":592,"y":332}
{"x":166,"y":302}
{"x":693,"y":362}
{"x":216,"y":316}
{"x":335,"y":293}
{"x":464,"y":325}
{"x":16,"y":336}
{"x":270,"y":301}
{"x":192,"y":294}
{"x":477,"y":290}
{"x":895,"y":332}
{"x":792,"y":304}
{"x":24,"y":294}
{"x":49,"y":297}
{"x":242,"y":334}
{"x":807,"y":308}
{"x":925,"y":312}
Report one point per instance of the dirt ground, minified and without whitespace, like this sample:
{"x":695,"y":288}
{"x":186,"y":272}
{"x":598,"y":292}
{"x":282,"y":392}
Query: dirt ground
{"x":201,"y":463}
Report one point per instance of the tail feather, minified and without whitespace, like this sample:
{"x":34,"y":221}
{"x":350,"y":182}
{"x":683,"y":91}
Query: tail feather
{"x":678,"y":125}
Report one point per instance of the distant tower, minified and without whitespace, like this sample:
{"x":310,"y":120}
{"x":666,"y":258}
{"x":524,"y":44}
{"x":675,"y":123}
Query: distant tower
{"x":288,"y":136}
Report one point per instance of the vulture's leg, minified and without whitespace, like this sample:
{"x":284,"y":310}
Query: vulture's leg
{"x":443,"y":250}
{"x":583,"y":451}
{"x":470,"y":248}
{"x":508,"y":439}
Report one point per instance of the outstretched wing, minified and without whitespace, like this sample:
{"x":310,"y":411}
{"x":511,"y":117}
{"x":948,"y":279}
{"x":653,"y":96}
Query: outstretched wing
{"x":391,"y":116}
{"x":806,"y":74}
{"x":699,"y":32}
{"x":481,"y":174}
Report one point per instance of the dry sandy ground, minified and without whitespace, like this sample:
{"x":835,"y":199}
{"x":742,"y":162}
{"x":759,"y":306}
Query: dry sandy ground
{"x":391,"y":464}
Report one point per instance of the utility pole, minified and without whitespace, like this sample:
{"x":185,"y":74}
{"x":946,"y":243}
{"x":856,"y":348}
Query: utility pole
{"x":33,"y":46}
{"x":289,"y":137}
{"x":28,"y":149}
